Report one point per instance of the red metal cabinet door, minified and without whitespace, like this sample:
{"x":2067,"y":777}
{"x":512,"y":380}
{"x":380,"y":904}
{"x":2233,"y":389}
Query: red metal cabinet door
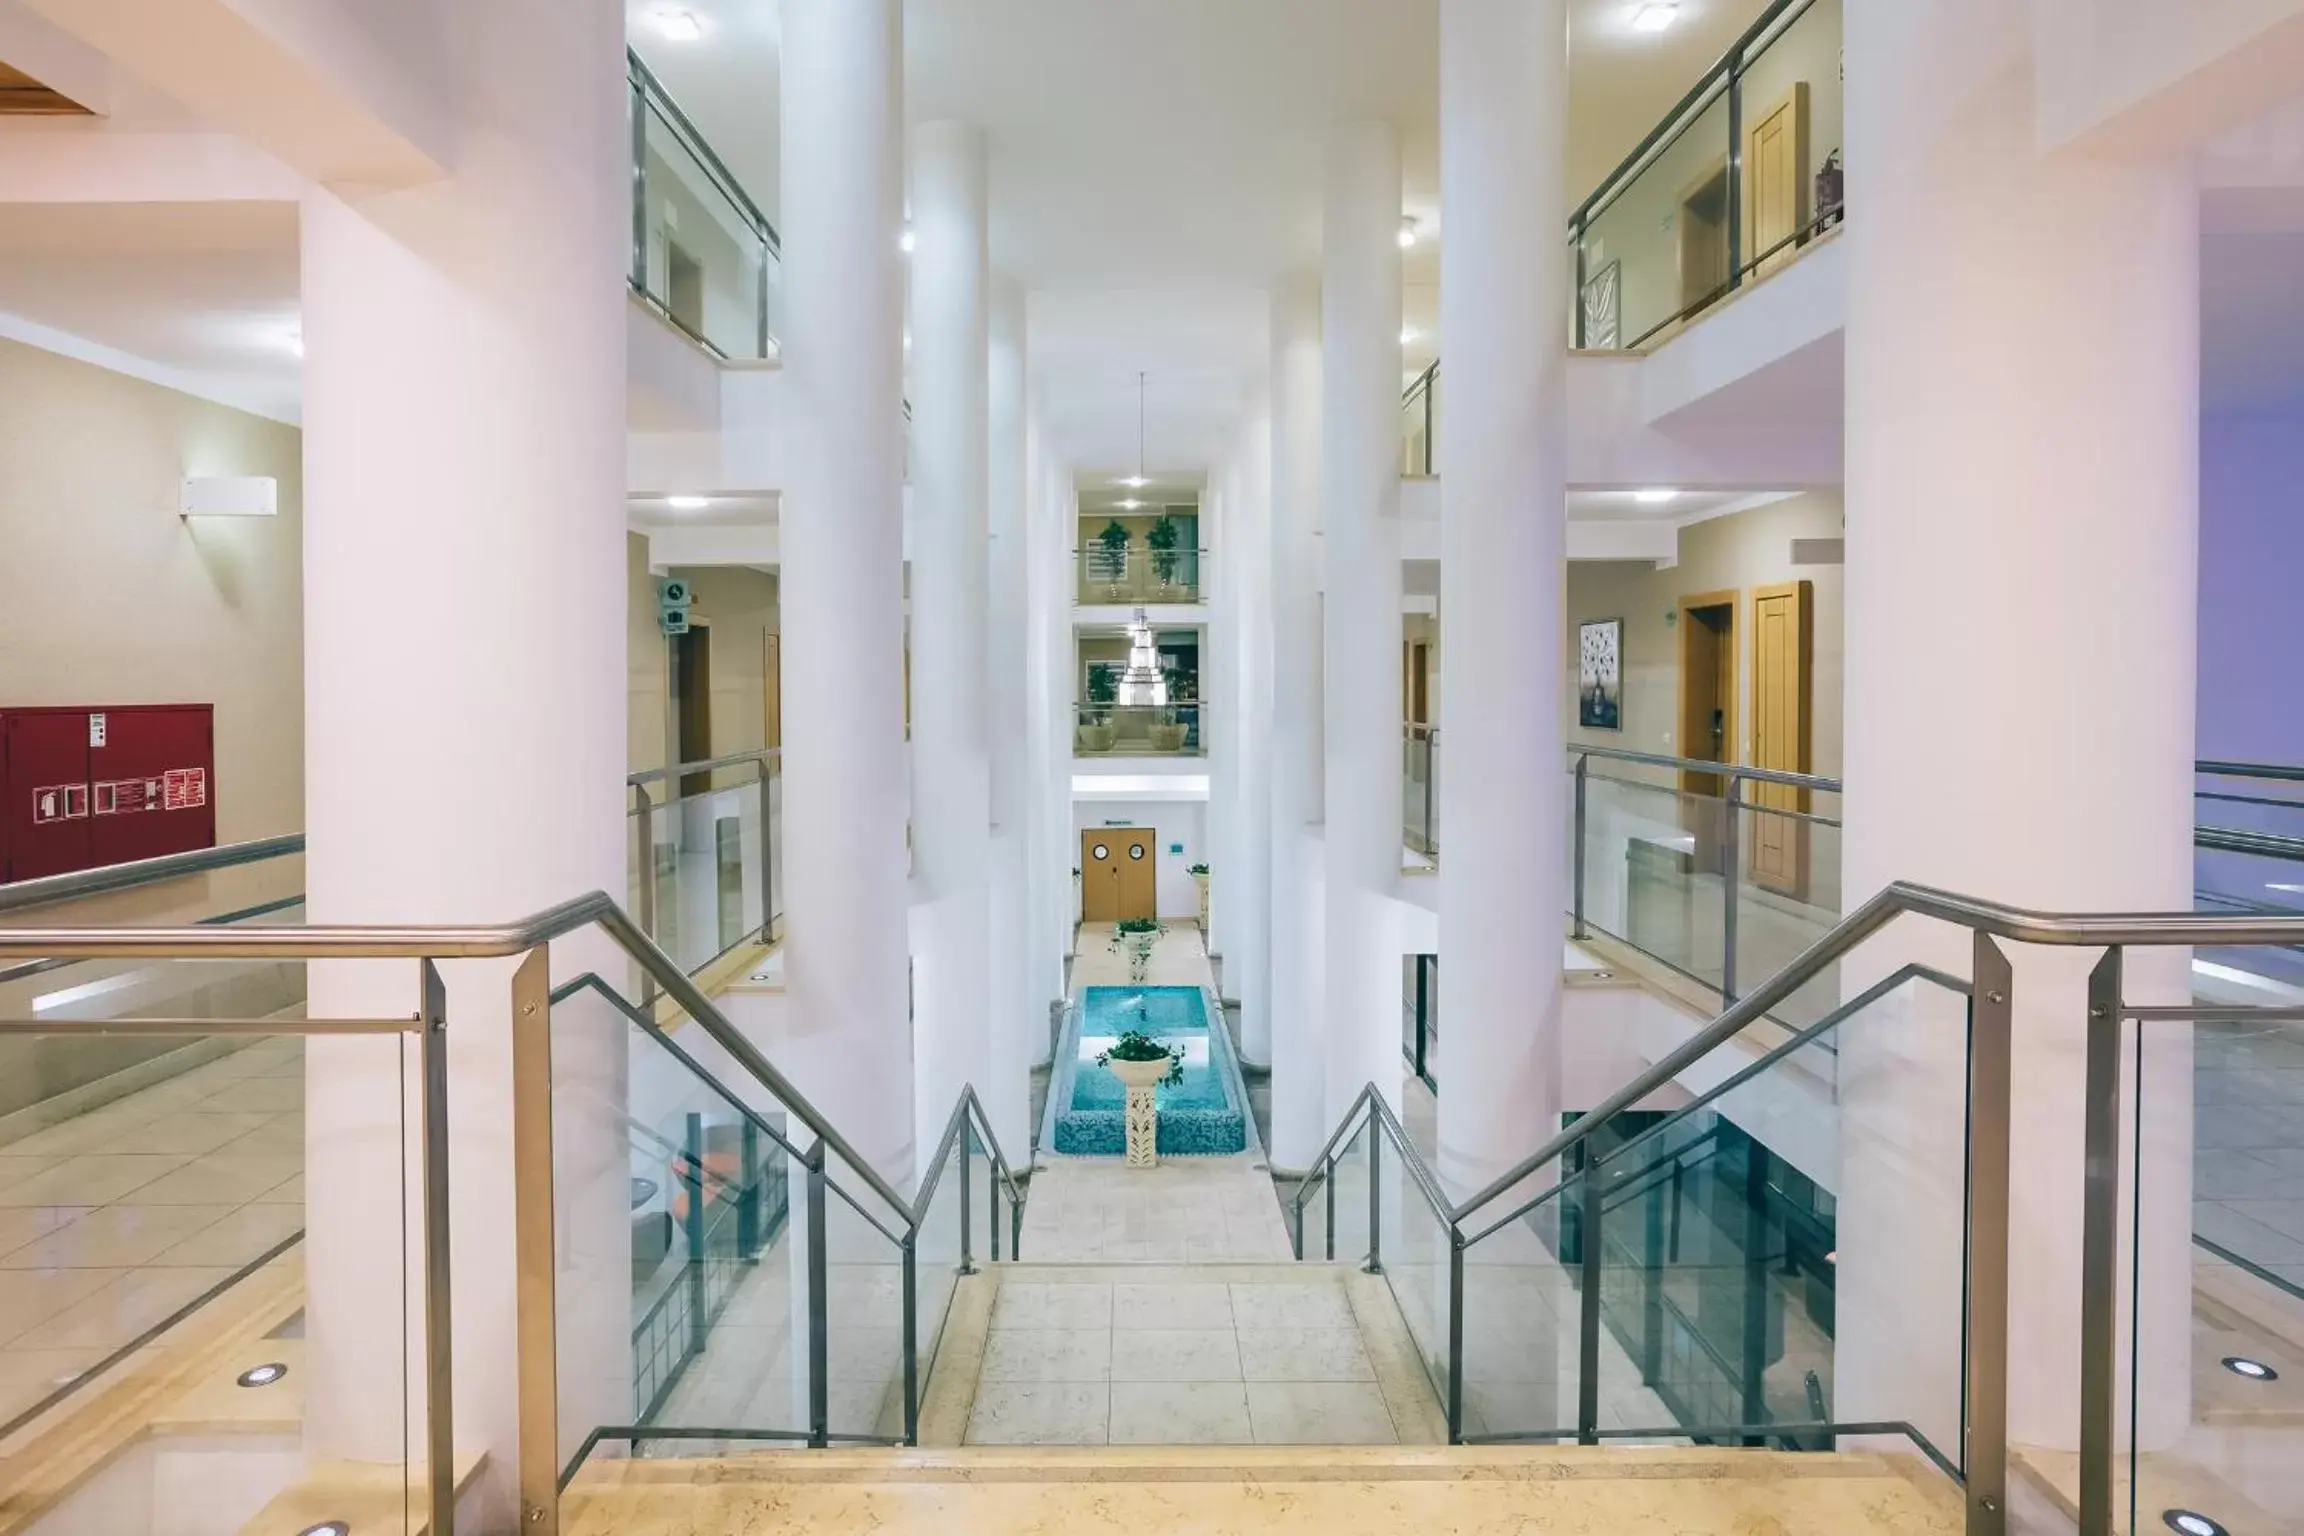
{"x":151,"y":782}
{"x":45,"y":826}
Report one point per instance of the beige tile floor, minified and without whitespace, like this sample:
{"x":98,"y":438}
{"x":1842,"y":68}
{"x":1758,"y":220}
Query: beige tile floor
{"x":113,"y":1220}
{"x":1183,"y":1356}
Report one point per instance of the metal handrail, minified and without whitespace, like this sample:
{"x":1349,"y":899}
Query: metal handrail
{"x":1736,"y":771}
{"x":107,"y":878}
{"x":2285,"y":773}
{"x":694,"y":142}
{"x":762,"y":755}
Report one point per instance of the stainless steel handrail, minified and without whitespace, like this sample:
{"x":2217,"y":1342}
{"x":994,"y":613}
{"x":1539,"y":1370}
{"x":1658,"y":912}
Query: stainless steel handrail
{"x":760,"y":755}
{"x":2284,"y":773}
{"x":1736,"y":771}
{"x":107,"y":878}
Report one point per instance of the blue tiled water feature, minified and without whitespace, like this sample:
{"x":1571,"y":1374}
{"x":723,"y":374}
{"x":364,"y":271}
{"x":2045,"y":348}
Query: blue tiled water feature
{"x":1207,"y":1113}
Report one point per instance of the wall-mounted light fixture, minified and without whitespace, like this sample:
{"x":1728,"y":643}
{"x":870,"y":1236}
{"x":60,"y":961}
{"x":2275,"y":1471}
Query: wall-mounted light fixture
{"x":229,"y":496}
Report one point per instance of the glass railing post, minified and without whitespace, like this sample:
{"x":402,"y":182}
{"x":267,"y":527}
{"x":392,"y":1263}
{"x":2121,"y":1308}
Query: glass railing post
{"x":1375,"y":1265}
{"x":536,"y":1325}
{"x":1016,"y":1229}
{"x":748,"y":1195}
{"x":767,"y":852}
{"x":1576,"y":318}
{"x":819,"y":1317}
{"x":1736,"y":169}
{"x":911,"y":1342}
{"x":439,"y":1347}
{"x":1576,"y":849}
{"x":1455,"y":1335}
{"x":639,"y":187}
{"x":1731,"y":878}
{"x":1328,"y":1192}
{"x":967,"y":1199}
{"x":1588,"y":1322}
{"x":2099,"y":1246}
{"x":1991,"y":1039}
{"x":762,"y":301}
{"x":644,"y":853}
{"x":692,"y":1182}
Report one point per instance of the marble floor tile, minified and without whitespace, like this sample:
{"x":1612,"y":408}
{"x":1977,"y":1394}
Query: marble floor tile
{"x":1319,"y":1413}
{"x":127,"y":1303}
{"x":1171,"y":1306}
{"x":30,"y":1297}
{"x":1310,"y":1305}
{"x":91,"y":1179}
{"x":239,"y":1237}
{"x":1029,"y":1304}
{"x":219,"y":1179}
{"x":1179,"y":1413}
{"x":116,"y":1237}
{"x":1304,"y":1354}
{"x":1044,"y":1413}
{"x":1048,"y":1354}
{"x":1175,"y":1355}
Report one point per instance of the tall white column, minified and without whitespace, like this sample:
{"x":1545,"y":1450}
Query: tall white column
{"x":951,"y":747}
{"x":1360,"y":624}
{"x":1220,"y":709}
{"x":1299,"y":934}
{"x":1248,"y":556}
{"x":464,"y":424}
{"x":1503,"y":569}
{"x":1016,"y":836}
{"x":842,"y":541}
{"x":1062,"y":502}
{"x":2037,"y":749}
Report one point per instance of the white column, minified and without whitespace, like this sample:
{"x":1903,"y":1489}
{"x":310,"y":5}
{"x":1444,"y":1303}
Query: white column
{"x":1299,"y":935}
{"x":1016,"y":835}
{"x":1219,"y":710}
{"x":464,"y":422}
{"x":2020,"y":640}
{"x":842,"y":543}
{"x":1503,"y":568}
{"x":1248,"y":557}
{"x":951,"y":747}
{"x":1360,"y":624}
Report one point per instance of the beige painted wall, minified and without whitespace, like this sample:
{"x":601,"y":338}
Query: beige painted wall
{"x":113,"y":598}
{"x":1741,"y":552}
{"x":738,"y":608}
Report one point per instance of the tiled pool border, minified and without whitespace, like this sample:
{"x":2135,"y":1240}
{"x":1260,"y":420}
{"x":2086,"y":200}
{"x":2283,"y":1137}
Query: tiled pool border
{"x":1183,"y":1132}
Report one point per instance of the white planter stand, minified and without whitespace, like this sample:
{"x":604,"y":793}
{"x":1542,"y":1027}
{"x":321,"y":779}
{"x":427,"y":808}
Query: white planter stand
{"x":1202,"y":882}
{"x":1142,"y":1115}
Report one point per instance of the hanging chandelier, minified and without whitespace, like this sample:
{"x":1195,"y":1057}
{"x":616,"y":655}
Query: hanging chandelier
{"x":1143,"y":682}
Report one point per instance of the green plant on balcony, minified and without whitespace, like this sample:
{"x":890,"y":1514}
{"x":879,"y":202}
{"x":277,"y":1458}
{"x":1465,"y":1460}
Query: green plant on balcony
{"x":1112,"y":555}
{"x":1167,"y":559}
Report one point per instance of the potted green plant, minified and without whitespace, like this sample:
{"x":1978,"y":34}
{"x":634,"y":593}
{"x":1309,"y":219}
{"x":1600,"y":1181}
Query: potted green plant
{"x":1169,"y":731}
{"x":1142,"y":1064}
{"x":1136,"y":937}
{"x":1160,"y":539}
{"x":1096,"y":729}
{"x":1199,"y":874}
{"x":1112,"y":553}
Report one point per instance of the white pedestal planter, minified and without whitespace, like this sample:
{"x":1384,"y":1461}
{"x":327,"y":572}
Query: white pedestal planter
{"x":1202,"y":882}
{"x":1142,"y":1116}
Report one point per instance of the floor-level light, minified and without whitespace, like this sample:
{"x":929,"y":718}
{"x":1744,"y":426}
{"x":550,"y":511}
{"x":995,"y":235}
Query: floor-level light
{"x":327,"y":1528}
{"x":262,"y":1375}
{"x":2191,"y":1523}
{"x":2254,"y":1370}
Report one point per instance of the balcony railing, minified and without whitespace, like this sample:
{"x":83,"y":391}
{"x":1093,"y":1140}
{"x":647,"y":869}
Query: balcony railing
{"x":1737,"y":181}
{"x":1108,"y":577}
{"x":1139,"y":730}
{"x":704,"y":256}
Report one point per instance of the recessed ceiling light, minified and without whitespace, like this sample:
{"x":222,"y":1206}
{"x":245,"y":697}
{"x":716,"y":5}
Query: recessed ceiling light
{"x":679,"y":26}
{"x":687,"y":503}
{"x":1654,"y":18}
{"x":262,"y":1375}
{"x":1407,"y":233}
{"x":2191,"y":1524}
{"x":1133,"y":482}
{"x":1655,"y":498}
{"x":1130,"y":505}
{"x":2254,"y":1370}
{"x":1408,"y":335}
{"x":907,"y":241}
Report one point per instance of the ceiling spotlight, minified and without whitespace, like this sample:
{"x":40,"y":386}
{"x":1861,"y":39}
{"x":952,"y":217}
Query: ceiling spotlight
{"x":687,"y":503}
{"x":327,"y":1528}
{"x":907,"y":242}
{"x":2254,"y":1370}
{"x":262,"y":1375}
{"x":1654,"y":18}
{"x":1130,"y":505}
{"x":1655,"y":498}
{"x":2191,"y":1524}
{"x":1407,"y":234}
{"x":1133,"y":482}
{"x":679,"y":26}
{"x":1408,"y":335}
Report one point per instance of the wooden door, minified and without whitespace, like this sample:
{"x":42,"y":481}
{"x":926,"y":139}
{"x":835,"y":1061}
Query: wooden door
{"x":1702,"y":237}
{"x":692,"y":704}
{"x":1707,"y":627}
{"x":1776,"y":181}
{"x":1783,"y":647}
{"x":1118,"y":874}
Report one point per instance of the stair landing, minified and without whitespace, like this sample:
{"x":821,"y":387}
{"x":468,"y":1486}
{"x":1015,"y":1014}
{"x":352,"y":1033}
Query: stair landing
{"x":1267,"y":1492}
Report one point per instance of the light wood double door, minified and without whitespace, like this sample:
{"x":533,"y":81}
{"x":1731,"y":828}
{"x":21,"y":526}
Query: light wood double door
{"x":1783,"y":647}
{"x":1119,"y":874}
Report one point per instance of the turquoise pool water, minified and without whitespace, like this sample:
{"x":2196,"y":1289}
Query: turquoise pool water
{"x":1201,"y":1114}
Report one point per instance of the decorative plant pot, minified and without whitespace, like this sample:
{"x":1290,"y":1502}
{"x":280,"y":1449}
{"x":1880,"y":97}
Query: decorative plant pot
{"x":1097,"y":737}
{"x":1142,"y":1115}
{"x":1202,"y":882}
{"x":1168,"y":738}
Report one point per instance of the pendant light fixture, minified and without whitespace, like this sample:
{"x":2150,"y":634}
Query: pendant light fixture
{"x":1138,"y":480}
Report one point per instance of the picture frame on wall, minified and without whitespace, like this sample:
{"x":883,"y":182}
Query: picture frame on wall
{"x":1600,"y":674}
{"x":1603,"y":301}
